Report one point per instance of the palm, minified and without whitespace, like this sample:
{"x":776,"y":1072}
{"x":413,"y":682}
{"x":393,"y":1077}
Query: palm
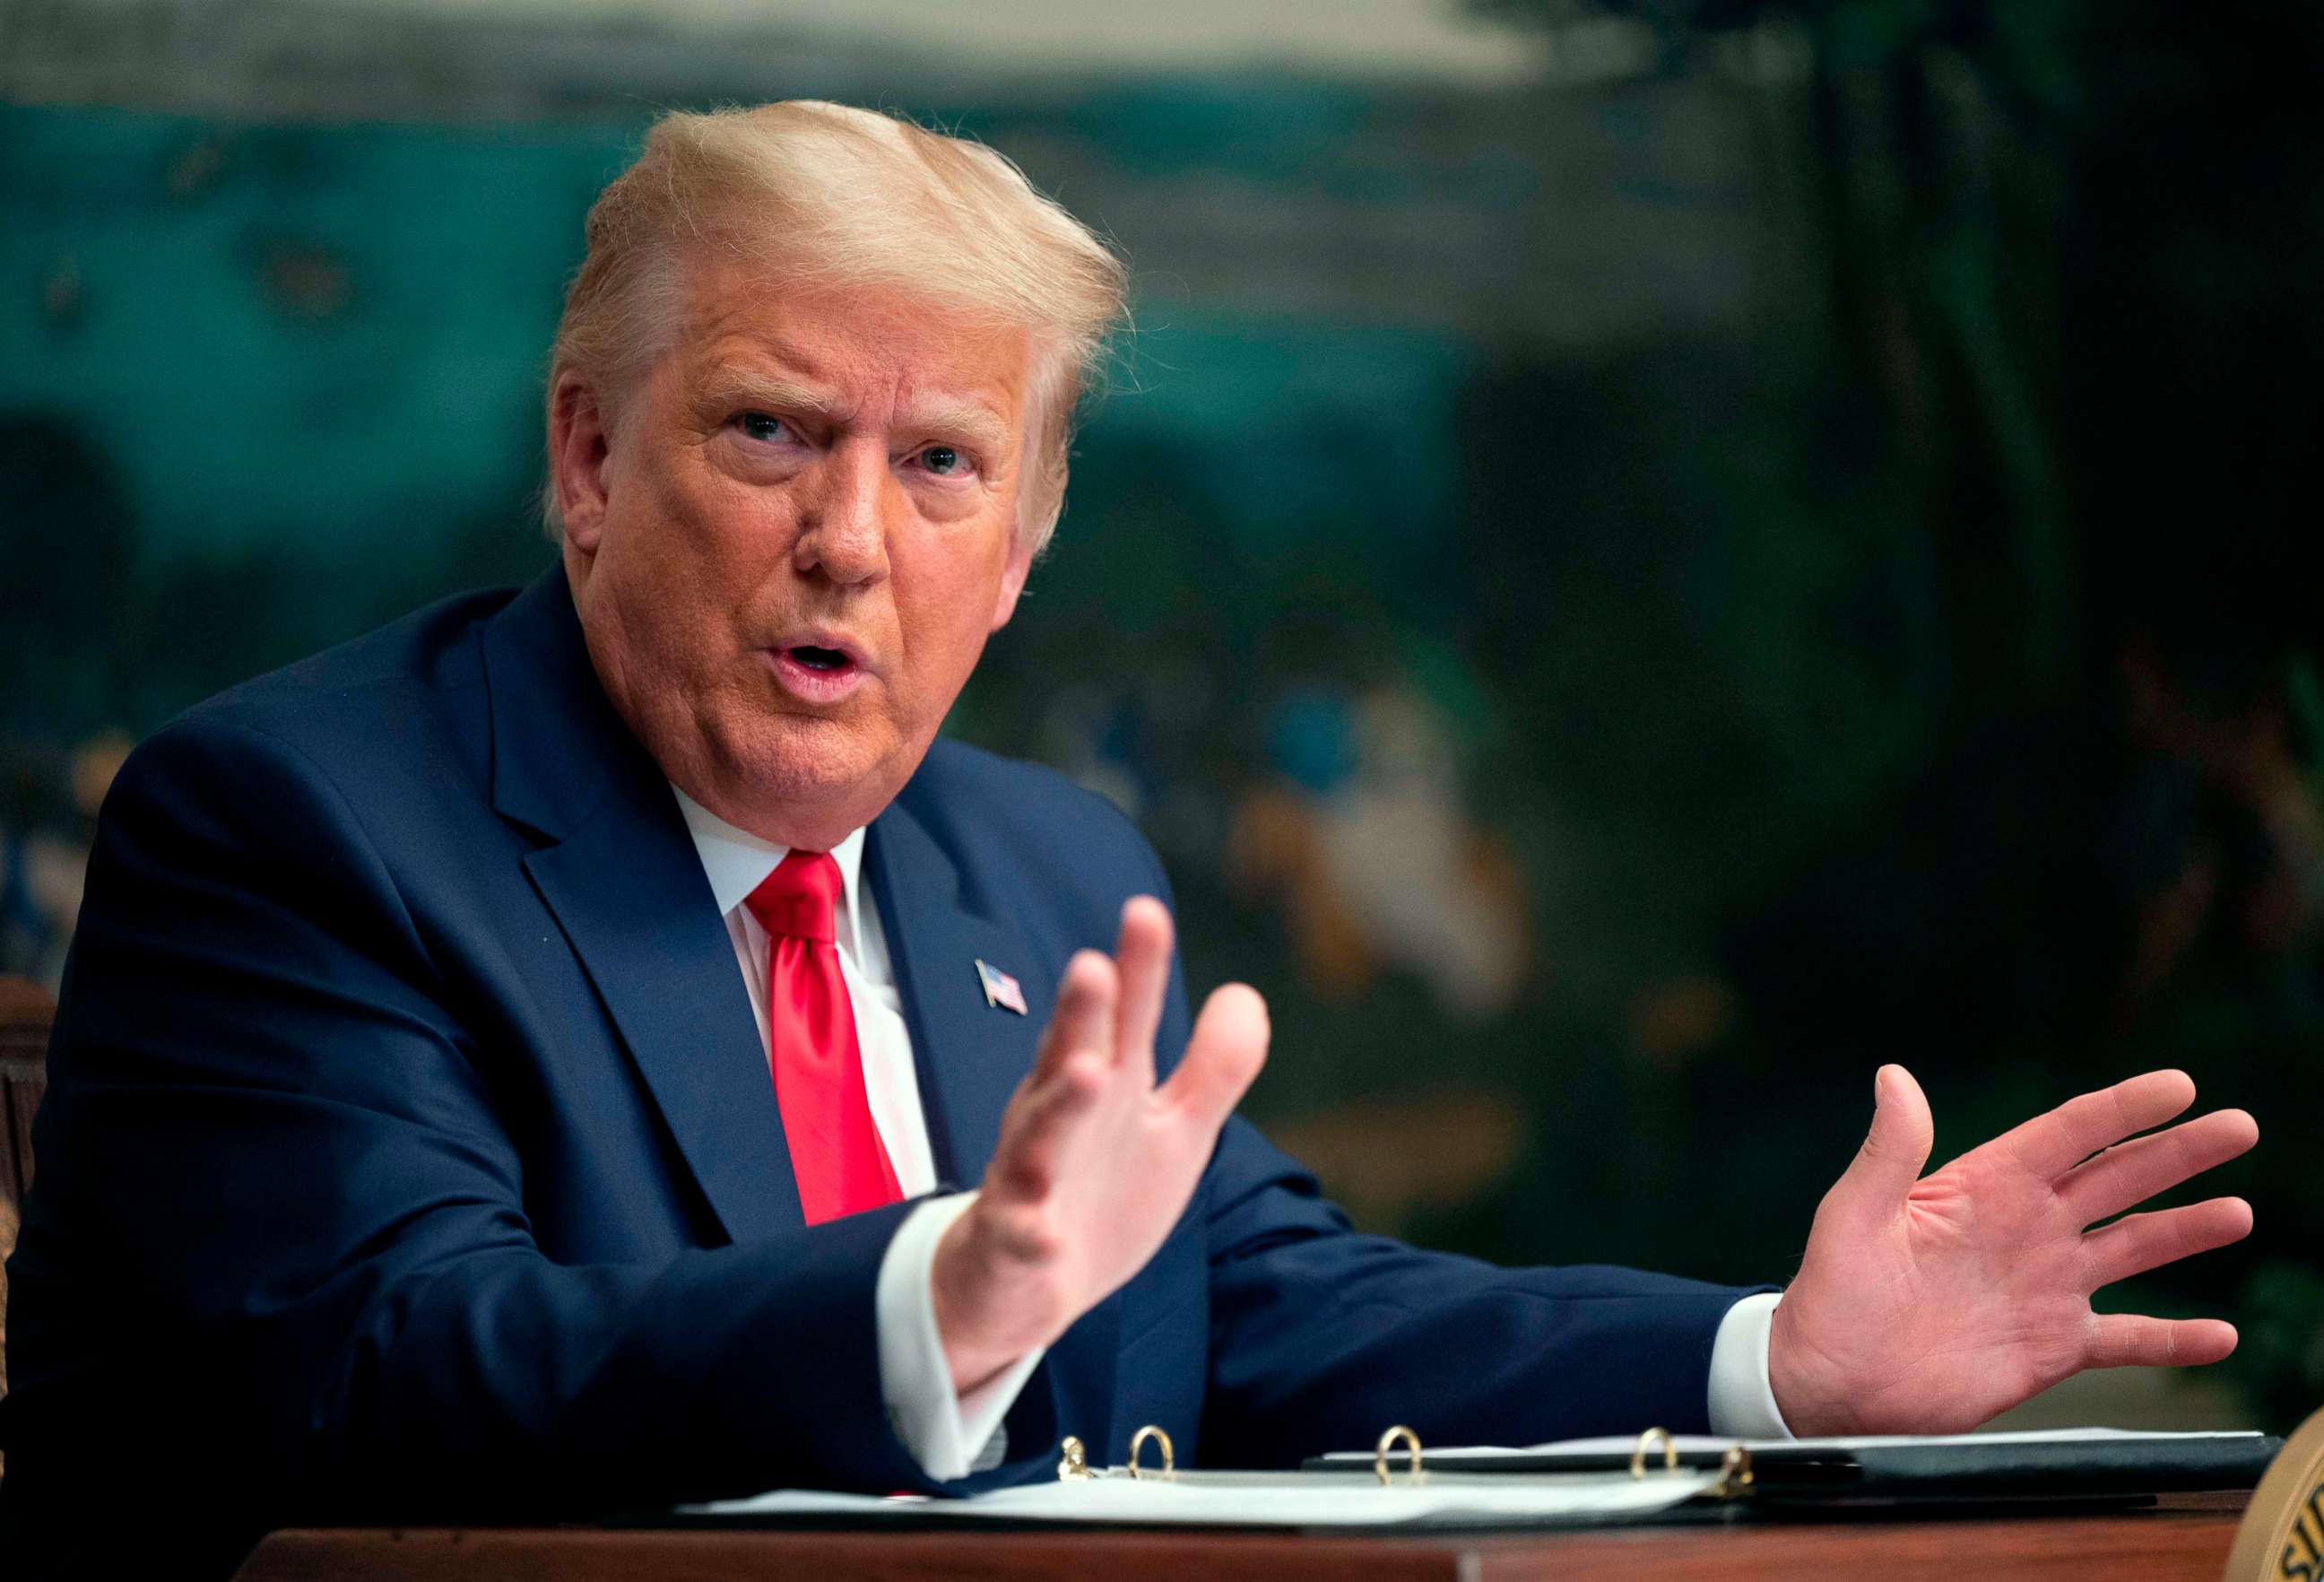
{"x":1927,"y":1305}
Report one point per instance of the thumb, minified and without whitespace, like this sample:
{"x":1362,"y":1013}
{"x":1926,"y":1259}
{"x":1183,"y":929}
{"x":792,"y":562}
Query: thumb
{"x":1897,"y":1149}
{"x":1225,"y":1055}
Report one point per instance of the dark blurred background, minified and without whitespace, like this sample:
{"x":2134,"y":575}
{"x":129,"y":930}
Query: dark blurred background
{"x":1642,"y":558}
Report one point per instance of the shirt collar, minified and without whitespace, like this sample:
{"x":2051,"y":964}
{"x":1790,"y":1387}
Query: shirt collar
{"x":737,"y":862}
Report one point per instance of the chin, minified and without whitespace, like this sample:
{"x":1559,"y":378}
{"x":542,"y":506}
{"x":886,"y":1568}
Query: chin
{"x":819,"y":767}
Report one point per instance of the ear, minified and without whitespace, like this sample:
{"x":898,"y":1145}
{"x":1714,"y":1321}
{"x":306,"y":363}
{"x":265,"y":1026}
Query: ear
{"x":578,"y":452}
{"x":1012,"y":580}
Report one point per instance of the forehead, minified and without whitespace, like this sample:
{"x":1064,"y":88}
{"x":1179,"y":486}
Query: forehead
{"x":873,"y":351}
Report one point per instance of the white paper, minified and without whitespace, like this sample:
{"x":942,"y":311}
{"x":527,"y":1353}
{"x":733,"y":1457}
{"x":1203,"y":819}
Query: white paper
{"x":1338,"y":1498}
{"x":1260,"y":1500}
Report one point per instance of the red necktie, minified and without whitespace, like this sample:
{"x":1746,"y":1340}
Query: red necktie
{"x":818,"y":1067}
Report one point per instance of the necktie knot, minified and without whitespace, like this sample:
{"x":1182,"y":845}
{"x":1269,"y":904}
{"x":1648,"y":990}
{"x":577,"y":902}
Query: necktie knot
{"x":800,"y":899}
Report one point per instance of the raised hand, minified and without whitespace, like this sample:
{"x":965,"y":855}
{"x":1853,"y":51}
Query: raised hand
{"x":1095,"y":1163}
{"x":1929,"y":1305}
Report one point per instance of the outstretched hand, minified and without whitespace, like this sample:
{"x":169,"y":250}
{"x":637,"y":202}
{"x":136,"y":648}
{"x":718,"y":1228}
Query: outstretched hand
{"x":1929,"y":1305}
{"x":1095,"y":1162}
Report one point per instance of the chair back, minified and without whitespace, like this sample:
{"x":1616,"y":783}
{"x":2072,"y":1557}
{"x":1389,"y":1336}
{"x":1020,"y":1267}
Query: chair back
{"x":26,"y":1010}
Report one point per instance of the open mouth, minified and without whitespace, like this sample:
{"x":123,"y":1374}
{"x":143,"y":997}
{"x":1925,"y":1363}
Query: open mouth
{"x":819,"y":675}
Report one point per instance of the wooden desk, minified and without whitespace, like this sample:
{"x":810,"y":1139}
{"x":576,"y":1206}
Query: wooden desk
{"x":2188,"y":1539}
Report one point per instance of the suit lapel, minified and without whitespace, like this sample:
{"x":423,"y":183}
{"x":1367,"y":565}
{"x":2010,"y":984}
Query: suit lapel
{"x":638,"y":912}
{"x":970,"y":1055}
{"x":622,"y":878}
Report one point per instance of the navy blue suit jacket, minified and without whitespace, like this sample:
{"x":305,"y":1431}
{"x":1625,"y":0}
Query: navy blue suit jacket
{"x":408,"y":1149}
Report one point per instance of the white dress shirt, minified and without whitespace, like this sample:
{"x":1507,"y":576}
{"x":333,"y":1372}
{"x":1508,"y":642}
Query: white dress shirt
{"x":951,"y":1435}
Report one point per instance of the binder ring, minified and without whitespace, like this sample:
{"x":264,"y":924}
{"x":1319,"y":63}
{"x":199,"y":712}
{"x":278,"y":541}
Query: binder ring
{"x":1734,"y":1472}
{"x":1645,"y":1442}
{"x":1412,"y":1443}
{"x":1072,"y":1465}
{"x":1169,"y":1473}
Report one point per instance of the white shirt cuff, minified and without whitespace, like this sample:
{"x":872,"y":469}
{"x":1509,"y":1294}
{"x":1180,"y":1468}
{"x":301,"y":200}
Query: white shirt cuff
{"x":950,"y":1435}
{"x":1742,"y":1401}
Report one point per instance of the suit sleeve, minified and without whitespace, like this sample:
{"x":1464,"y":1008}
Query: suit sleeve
{"x":279,"y":1258}
{"x":1322,"y":1338}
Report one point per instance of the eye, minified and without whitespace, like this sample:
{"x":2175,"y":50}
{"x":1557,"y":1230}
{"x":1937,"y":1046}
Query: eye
{"x":761,"y":427}
{"x":944,"y":461}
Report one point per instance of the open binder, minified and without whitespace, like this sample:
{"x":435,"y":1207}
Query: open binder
{"x":2074,"y":1463}
{"x":1397,"y":1485}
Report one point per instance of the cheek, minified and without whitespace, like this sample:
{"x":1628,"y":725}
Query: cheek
{"x":673,"y":598}
{"x":953,"y":631}
{"x":702,"y":539}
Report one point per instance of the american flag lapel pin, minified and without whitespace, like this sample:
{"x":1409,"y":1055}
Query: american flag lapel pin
{"x":1000,"y":989}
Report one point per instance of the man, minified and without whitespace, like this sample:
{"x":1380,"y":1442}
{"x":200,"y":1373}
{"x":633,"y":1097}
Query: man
{"x":525,"y":1063}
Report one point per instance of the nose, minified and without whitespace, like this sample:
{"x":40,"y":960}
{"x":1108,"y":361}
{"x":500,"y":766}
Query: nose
{"x":843,"y":528}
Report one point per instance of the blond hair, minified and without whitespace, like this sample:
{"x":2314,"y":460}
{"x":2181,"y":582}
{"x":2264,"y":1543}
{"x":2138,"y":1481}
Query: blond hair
{"x":827,"y":196}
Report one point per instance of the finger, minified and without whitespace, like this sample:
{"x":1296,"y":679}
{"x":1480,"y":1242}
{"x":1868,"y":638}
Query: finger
{"x":2131,"y":1172}
{"x":2141,"y":1242}
{"x":1223,"y":1058}
{"x":2124,"y":1340}
{"x":1895,"y":1149}
{"x":1068,"y":1076}
{"x":1043,"y":1119}
{"x":2050,"y":1145}
{"x":1144,"y":955}
{"x":1082,"y":1017}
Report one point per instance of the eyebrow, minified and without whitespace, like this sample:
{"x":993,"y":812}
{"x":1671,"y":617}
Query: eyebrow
{"x":971,"y":420}
{"x":952,"y":416}
{"x":739,"y":387}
